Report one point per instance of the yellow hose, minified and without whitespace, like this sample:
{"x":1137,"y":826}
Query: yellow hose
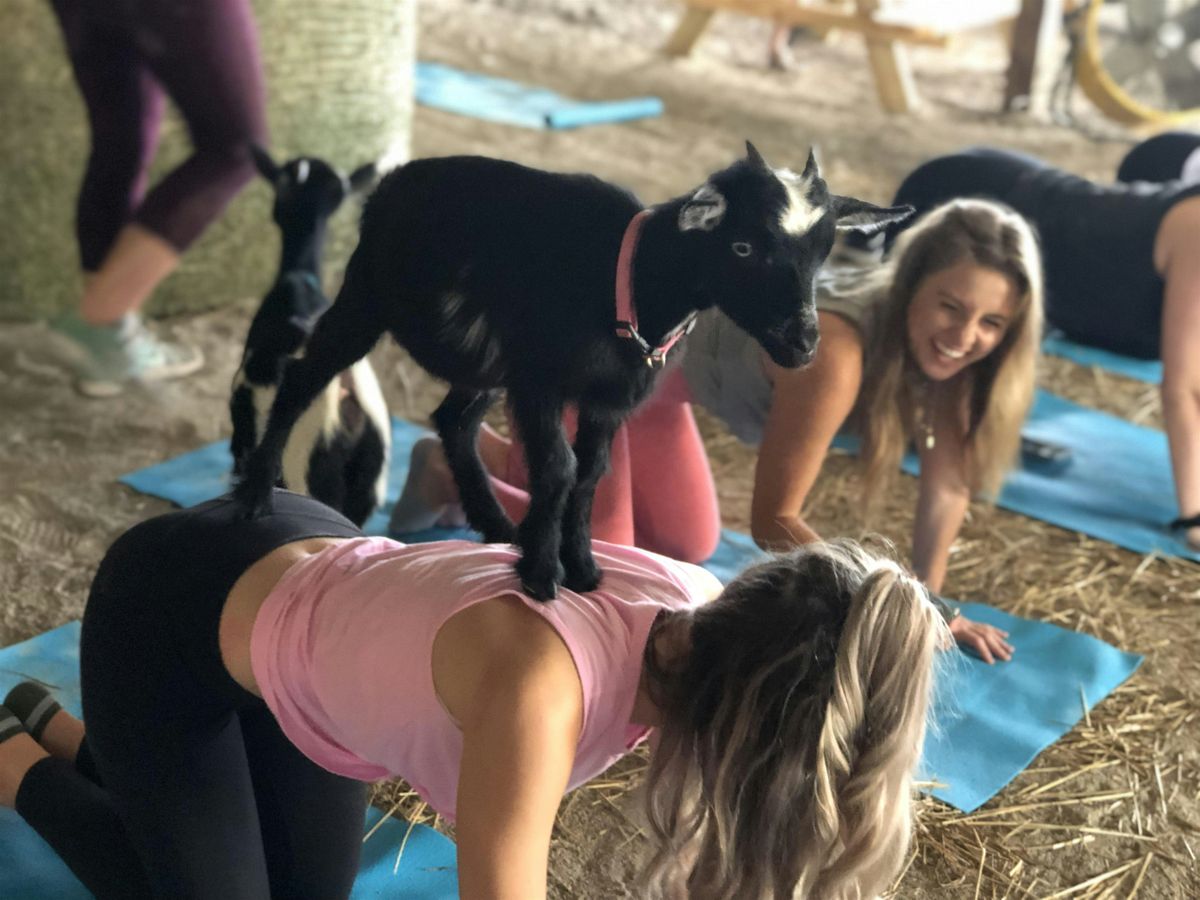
{"x":1099,"y":87}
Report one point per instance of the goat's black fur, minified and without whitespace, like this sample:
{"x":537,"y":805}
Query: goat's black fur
{"x":496,"y":276}
{"x":339,"y":454}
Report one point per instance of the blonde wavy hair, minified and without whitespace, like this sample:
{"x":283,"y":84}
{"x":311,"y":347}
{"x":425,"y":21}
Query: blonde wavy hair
{"x":791,"y":730}
{"x":999,"y":391}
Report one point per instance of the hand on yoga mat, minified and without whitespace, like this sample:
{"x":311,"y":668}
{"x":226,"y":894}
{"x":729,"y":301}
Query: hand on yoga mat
{"x":985,"y":641}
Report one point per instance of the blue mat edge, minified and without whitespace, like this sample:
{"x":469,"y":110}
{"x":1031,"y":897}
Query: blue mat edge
{"x":552,"y":110}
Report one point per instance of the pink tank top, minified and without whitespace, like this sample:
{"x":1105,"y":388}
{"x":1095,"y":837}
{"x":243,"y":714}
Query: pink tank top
{"x":342,"y":646}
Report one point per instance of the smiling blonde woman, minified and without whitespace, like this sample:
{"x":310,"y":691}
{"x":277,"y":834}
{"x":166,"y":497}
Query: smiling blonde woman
{"x":935,"y":348}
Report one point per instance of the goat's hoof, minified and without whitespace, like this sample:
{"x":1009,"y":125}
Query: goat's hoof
{"x":583,"y":576}
{"x":540,"y":581}
{"x":540,"y":592}
{"x":253,"y":501}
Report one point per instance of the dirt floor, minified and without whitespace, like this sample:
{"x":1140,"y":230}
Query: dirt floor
{"x":1121,"y":790}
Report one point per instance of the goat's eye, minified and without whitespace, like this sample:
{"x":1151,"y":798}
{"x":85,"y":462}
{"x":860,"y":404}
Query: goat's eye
{"x":741,"y":248}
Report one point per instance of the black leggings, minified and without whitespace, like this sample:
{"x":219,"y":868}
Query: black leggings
{"x":202,"y":795}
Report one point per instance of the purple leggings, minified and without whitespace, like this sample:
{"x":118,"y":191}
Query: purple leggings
{"x":128,"y":56}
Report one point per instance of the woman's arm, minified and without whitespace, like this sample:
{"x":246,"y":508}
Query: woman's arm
{"x":518,"y":749}
{"x":808,"y":406}
{"x":520,"y":716}
{"x":1179,"y":264}
{"x":944,"y":494}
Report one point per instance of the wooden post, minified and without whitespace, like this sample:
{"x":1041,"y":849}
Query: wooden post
{"x":1034,"y":43}
{"x":690,"y":29}
{"x":890,"y":64}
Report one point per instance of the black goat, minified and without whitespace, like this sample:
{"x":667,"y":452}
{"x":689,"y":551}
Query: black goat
{"x":339,"y":448}
{"x":494,"y":275}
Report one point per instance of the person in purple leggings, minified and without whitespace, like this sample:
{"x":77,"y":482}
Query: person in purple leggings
{"x":128,"y":56}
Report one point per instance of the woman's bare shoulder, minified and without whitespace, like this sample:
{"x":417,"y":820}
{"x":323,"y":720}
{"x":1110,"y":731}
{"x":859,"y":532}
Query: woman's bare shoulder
{"x":501,"y":639}
{"x":1178,"y":235}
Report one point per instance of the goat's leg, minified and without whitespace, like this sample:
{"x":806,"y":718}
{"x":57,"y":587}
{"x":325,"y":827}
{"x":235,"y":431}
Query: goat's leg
{"x":361,"y":475}
{"x":325,"y":477}
{"x":457,"y":420}
{"x":343,"y":335}
{"x":593,"y":442}
{"x":241,"y":443}
{"x":551,"y":465}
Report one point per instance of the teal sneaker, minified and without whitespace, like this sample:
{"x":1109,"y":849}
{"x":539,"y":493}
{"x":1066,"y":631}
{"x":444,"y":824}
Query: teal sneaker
{"x":108,"y":358}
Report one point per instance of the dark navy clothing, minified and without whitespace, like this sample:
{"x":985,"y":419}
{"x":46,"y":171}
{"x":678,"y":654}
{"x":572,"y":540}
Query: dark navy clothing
{"x":1160,"y":158}
{"x":199,"y":793}
{"x":1097,"y":240}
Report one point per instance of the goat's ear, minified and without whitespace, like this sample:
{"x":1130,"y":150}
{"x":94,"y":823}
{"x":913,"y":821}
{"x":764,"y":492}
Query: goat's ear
{"x":704,"y":211}
{"x":363,"y":178}
{"x":866,"y":218}
{"x":755,"y":158}
{"x":263,"y":162}
{"x":810,"y":167}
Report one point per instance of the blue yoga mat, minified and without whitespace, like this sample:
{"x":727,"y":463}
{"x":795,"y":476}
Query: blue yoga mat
{"x":1148,"y":370}
{"x":30,"y":870}
{"x":990,"y":722}
{"x":499,"y":100}
{"x":1118,"y":486}
{"x":1033,"y":700}
{"x":204,"y":473}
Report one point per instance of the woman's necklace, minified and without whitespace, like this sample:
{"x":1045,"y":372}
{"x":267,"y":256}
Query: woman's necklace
{"x":922,"y":420}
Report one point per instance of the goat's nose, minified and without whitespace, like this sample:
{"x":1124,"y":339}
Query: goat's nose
{"x":802,"y":336}
{"x":802,"y":333}
{"x":808,"y":348}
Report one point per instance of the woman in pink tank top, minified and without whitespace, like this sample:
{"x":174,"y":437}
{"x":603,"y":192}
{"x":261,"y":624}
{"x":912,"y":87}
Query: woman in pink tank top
{"x":254,"y":673}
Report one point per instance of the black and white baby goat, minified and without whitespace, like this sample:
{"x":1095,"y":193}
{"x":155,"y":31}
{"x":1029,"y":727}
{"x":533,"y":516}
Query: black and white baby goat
{"x":560,"y":289}
{"x":339,"y":449}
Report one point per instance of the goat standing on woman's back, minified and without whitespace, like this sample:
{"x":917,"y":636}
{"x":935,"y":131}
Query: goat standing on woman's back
{"x":338,"y":451}
{"x":560,"y":289}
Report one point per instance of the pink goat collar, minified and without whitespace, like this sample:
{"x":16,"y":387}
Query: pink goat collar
{"x":626,"y":313}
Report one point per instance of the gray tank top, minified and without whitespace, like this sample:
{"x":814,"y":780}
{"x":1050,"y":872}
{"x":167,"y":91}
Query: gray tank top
{"x":1191,"y":167}
{"x":726,"y":371}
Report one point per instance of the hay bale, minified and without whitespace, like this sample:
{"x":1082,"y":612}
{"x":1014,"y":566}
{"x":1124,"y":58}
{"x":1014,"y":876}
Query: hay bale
{"x":339,"y":81}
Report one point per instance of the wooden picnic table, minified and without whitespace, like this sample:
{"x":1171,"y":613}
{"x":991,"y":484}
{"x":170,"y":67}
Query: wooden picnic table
{"x":887,"y":27}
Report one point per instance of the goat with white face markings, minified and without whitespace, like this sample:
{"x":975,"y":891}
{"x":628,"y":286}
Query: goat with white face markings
{"x":339,"y":449}
{"x":560,"y":289}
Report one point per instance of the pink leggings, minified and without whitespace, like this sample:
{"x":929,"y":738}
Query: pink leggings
{"x":658,"y":494}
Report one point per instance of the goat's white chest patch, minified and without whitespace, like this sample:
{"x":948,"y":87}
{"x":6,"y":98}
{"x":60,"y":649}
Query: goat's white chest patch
{"x":316,"y":426}
{"x":800,"y":214}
